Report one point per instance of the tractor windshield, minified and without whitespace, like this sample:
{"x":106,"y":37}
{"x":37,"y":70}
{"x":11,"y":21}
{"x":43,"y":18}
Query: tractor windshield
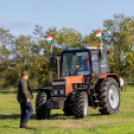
{"x":75,"y":64}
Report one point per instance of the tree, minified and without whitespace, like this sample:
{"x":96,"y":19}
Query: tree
{"x":119,"y":41}
{"x":5,"y":53}
{"x":91,"y":39}
{"x":68,"y":37}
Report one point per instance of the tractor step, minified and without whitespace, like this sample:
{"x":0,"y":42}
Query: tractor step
{"x":96,"y":101}
{"x":95,"y":94}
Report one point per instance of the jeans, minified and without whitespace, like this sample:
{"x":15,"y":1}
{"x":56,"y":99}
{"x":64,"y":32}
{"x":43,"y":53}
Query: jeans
{"x":25,"y":115}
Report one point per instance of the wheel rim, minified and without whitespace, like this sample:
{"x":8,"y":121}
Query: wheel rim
{"x":85,"y":106}
{"x":113,"y":96}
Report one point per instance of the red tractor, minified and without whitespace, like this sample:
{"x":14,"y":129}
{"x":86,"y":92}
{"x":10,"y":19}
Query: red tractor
{"x":83,"y":79}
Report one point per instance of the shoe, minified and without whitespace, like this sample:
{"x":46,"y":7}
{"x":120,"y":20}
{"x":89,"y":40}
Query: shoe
{"x":23,"y":125}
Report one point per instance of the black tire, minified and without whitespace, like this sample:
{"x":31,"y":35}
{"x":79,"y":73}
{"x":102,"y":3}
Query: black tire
{"x":41,"y":112}
{"x":68,"y":111}
{"x":110,"y":96}
{"x":81,"y":104}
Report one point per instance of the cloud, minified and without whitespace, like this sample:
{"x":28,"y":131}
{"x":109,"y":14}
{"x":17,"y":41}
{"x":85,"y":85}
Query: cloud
{"x":13,"y":24}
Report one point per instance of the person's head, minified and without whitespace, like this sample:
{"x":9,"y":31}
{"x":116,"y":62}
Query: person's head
{"x":24,"y":75}
{"x":119,"y":76}
{"x":92,"y":58}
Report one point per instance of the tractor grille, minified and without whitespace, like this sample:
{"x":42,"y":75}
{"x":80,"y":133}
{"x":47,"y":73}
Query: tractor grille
{"x":58,"y":87}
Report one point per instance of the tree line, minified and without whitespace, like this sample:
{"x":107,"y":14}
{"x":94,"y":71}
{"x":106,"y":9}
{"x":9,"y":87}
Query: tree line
{"x":32,"y":53}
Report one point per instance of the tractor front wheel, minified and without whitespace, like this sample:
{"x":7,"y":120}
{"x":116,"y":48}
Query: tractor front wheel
{"x":41,"y":111}
{"x":81,"y":104}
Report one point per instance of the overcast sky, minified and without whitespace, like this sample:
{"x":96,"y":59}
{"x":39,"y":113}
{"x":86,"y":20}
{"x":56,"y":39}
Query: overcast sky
{"x":20,"y":16}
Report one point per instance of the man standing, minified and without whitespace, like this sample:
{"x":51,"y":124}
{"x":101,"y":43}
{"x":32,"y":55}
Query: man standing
{"x":121,"y":83}
{"x":95,"y":65}
{"x":24,"y":97}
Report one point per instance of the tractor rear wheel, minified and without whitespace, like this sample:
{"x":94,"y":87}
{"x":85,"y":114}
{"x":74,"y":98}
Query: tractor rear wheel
{"x":41,"y":111}
{"x":110,"y":96}
{"x":81,"y":104}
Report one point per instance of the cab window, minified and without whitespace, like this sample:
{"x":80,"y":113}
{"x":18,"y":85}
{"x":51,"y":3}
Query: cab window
{"x":104,"y":63}
{"x":95,"y":62}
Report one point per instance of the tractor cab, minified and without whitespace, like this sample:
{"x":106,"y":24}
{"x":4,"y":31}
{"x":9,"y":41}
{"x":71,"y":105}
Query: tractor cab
{"x":83,"y":61}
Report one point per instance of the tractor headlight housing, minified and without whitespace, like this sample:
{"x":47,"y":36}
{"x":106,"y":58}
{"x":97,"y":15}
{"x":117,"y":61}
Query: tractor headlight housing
{"x":55,"y":92}
{"x":62,"y":92}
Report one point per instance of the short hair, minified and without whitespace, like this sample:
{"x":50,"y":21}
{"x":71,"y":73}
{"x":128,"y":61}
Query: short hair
{"x":24,"y":73}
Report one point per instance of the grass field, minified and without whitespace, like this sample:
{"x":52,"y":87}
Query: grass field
{"x":121,"y":123}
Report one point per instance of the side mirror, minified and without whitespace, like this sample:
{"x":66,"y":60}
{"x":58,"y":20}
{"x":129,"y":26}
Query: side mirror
{"x":52,"y":59}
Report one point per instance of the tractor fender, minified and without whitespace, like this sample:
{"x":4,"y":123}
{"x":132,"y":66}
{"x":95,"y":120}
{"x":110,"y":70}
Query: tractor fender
{"x":113,"y":75}
{"x":48,"y":91}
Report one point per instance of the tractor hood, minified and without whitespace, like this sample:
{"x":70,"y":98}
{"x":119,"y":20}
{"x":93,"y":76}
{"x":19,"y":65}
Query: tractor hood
{"x":64,"y":86}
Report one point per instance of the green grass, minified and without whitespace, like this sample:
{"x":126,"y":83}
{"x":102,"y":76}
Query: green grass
{"x":129,"y":87}
{"x":121,"y":123}
{"x":8,"y":87}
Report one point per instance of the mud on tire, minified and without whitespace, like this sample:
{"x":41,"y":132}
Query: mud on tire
{"x":110,"y":96}
{"x":41,"y":112}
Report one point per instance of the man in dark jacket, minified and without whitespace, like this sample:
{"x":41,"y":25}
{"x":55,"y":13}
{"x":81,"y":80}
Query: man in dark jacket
{"x":24,"y":97}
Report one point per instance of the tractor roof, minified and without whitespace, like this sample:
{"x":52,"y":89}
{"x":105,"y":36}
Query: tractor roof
{"x":83,"y":48}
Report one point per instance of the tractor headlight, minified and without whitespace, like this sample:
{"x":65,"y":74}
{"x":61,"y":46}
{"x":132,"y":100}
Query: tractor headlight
{"x":55,"y":92}
{"x":61,"y":92}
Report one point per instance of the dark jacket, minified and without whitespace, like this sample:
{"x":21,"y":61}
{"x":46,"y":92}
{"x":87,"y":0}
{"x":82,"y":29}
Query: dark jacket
{"x":24,"y":90}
